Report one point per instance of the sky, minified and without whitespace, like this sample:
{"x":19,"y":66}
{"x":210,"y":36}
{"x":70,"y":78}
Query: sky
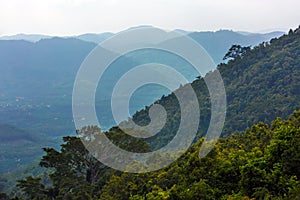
{"x":74,"y":17}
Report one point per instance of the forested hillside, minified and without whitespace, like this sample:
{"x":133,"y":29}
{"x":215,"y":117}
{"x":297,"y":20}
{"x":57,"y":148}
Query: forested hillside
{"x":258,"y":159}
{"x":259,"y":163}
{"x":260,"y":85}
{"x":36,"y":88}
{"x":36,"y":81}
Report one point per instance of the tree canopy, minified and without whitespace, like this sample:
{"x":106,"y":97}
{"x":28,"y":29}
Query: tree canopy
{"x":260,"y":163}
{"x":236,"y":51}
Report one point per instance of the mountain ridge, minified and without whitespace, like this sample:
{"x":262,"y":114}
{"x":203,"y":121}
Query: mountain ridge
{"x":260,"y":85}
{"x":99,"y":37}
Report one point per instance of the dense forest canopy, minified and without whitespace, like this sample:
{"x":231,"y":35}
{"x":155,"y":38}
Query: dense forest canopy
{"x":259,"y":163}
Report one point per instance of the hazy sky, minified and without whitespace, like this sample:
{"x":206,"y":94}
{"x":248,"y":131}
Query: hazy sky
{"x":73,"y":17}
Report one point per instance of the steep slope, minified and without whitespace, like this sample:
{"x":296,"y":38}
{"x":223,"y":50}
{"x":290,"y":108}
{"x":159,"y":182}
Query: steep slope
{"x":260,"y":86}
{"x":259,"y":163}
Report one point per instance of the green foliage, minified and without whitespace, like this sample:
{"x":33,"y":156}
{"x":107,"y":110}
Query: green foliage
{"x":236,"y":51}
{"x":33,"y":188}
{"x":242,"y":166}
{"x":260,"y":85}
{"x":73,"y":171}
{"x":259,"y":163}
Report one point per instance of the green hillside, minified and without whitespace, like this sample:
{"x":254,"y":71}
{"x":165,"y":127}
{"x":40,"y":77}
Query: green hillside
{"x":260,"y":86}
{"x":259,"y":158}
{"x":259,"y":163}
{"x":36,"y":88}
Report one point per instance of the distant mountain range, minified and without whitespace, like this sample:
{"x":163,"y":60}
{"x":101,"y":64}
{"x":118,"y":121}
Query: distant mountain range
{"x":89,"y":37}
{"x":38,"y":77}
{"x":26,"y":37}
{"x":37,"y":73}
{"x":216,"y":43}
